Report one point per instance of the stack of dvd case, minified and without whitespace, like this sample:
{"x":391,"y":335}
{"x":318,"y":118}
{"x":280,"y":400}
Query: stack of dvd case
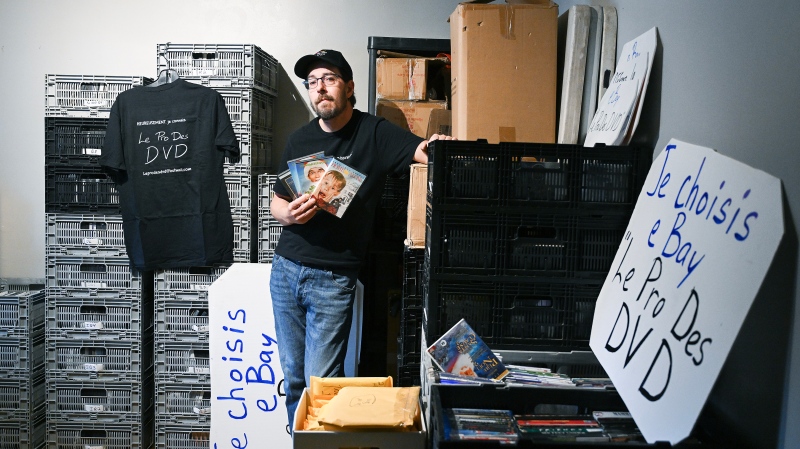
{"x":22,"y":383}
{"x":97,"y":328}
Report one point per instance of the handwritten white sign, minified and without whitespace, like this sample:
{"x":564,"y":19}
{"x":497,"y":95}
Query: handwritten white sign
{"x":637,"y":56}
{"x":248,"y":406}
{"x":610,"y":122}
{"x":698,"y":245}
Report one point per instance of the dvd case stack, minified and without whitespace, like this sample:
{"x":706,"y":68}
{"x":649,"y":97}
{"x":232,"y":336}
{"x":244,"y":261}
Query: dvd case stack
{"x":98,"y":311}
{"x":269,"y":230}
{"x":182,"y":370}
{"x":247,"y":79}
{"x":22,"y":378}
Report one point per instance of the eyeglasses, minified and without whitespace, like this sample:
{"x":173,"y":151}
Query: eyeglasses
{"x":329,"y":79}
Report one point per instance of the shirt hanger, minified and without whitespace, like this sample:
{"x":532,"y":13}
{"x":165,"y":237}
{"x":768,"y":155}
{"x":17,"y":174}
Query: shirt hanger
{"x":166,"y":75}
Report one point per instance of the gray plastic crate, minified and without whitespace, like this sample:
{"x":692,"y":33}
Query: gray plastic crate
{"x":177,"y":320}
{"x":21,"y":313}
{"x":187,"y":283}
{"x":182,"y":362}
{"x":239,"y":193}
{"x":21,"y":284}
{"x":172,"y":436}
{"x":24,"y":434}
{"x":22,"y":398}
{"x":251,"y":106}
{"x":20,"y":358}
{"x":242,"y":237}
{"x":91,"y":360}
{"x":221,"y":65}
{"x":100,"y":319}
{"x":255,"y":150}
{"x":269,"y":233}
{"x":85,"y":95}
{"x":266,"y":187}
{"x":90,"y":235}
{"x":68,"y":435}
{"x":69,"y":276}
{"x":110,"y":402}
{"x":183,"y":403}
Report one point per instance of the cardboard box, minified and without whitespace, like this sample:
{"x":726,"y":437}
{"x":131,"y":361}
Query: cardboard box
{"x":411,"y":115}
{"x":417,"y":199}
{"x":440,"y":122}
{"x":408,"y":78}
{"x":304,"y":439}
{"x":504,"y":71}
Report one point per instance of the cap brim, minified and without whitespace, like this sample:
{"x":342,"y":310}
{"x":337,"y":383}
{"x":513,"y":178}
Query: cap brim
{"x":302,"y":65}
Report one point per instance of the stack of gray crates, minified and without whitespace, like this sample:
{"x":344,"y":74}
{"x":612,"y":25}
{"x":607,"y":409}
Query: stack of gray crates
{"x":98,"y":350}
{"x":22,"y":387}
{"x":247,"y":79}
{"x":182,"y":370}
{"x":269,"y":230}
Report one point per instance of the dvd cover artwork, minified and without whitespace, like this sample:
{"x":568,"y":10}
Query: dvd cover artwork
{"x":337,"y":187}
{"x":461,"y":351}
{"x":307,"y":171}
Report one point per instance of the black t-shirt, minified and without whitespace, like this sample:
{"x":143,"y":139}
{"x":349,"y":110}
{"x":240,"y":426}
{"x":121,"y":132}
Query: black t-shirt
{"x":165,"y":147}
{"x":369,"y":144}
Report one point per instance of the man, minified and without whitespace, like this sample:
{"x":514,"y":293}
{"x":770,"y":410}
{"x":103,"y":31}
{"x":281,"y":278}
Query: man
{"x":316,"y":262}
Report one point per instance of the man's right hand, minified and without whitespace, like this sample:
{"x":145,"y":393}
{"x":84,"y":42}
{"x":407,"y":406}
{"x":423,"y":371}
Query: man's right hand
{"x":298,"y":211}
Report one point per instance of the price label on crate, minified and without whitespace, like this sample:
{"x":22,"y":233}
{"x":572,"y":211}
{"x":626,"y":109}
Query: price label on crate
{"x":202,"y":411}
{"x":95,"y":103}
{"x":92,"y":241}
{"x":95,"y":367}
{"x":198,"y":370}
{"x":697,"y":248}
{"x":93,"y":446}
{"x":85,"y":284}
{"x":92,"y":151}
{"x":93,"y":325}
{"x":201,"y":287}
{"x":94,"y":408}
{"x":200,"y":328}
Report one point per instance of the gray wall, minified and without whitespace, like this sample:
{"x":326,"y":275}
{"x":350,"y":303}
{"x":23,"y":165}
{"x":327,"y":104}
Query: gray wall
{"x":725,"y":77}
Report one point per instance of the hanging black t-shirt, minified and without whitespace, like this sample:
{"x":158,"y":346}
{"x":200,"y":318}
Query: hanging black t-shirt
{"x":369,"y":144}
{"x":166,"y":146}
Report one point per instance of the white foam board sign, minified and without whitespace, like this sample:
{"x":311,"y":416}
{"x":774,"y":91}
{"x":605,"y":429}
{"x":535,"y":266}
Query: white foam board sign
{"x":701,"y":238}
{"x":248,"y":406}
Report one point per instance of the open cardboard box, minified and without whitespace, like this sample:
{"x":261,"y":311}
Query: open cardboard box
{"x":304,"y":439}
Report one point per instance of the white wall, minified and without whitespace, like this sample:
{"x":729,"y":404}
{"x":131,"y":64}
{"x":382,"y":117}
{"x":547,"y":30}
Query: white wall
{"x":100,"y":37}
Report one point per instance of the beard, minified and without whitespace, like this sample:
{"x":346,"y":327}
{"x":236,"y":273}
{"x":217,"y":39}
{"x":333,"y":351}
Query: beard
{"x":327,"y":113}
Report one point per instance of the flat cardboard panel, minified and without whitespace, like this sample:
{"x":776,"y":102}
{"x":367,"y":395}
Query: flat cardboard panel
{"x":401,"y":78}
{"x":417,"y":198}
{"x":411,"y":115}
{"x":304,"y":439}
{"x":503,"y":75}
{"x":697,"y":248}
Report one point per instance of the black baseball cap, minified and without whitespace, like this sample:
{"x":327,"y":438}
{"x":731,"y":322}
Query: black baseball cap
{"x":331,"y":57}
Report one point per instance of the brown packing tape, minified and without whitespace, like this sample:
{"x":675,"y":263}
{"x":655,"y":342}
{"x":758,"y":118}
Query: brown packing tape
{"x":506,"y":21}
{"x":507,"y":133}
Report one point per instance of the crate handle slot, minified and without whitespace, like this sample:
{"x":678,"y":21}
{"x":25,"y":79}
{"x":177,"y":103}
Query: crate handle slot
{"x":100,"y":310}
{"x":94,"y":267}
{"x":93,"y":351}
{"x":93,"y":433}
{"x":201,"y":270}
{"x":94,"y":225}
{"x":199,"y":354}
{"x":93,"y":393}
{"x":203,"y":55}
{"x":198,"y":312}
{"x":533,"y":303}
{"x":94,"y":87}
{"x":536,"y":232}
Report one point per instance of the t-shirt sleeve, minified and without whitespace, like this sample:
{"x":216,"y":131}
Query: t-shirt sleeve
{"x":399,"y":146}
{"x":226,"y":137}
{"x":112,"y":155}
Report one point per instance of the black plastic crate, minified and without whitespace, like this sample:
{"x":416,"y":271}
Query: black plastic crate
{"x":77,"y":189}
{"x":74,"y":141}
{"x":503,"y":242}
{"x":523,"y":315}
{"x":408,"y":375}
{"x":536,"y":175}
{"x":413,"y":276}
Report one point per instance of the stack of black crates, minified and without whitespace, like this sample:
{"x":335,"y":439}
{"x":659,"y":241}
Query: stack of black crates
{"x":98,"y":321}
{"x":520,"y":238}
{"x":246,"y":78}
{"x":22,"y":382}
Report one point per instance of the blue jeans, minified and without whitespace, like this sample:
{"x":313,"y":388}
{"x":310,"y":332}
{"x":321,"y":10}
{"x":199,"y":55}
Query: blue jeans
{"x":313,"y":311}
